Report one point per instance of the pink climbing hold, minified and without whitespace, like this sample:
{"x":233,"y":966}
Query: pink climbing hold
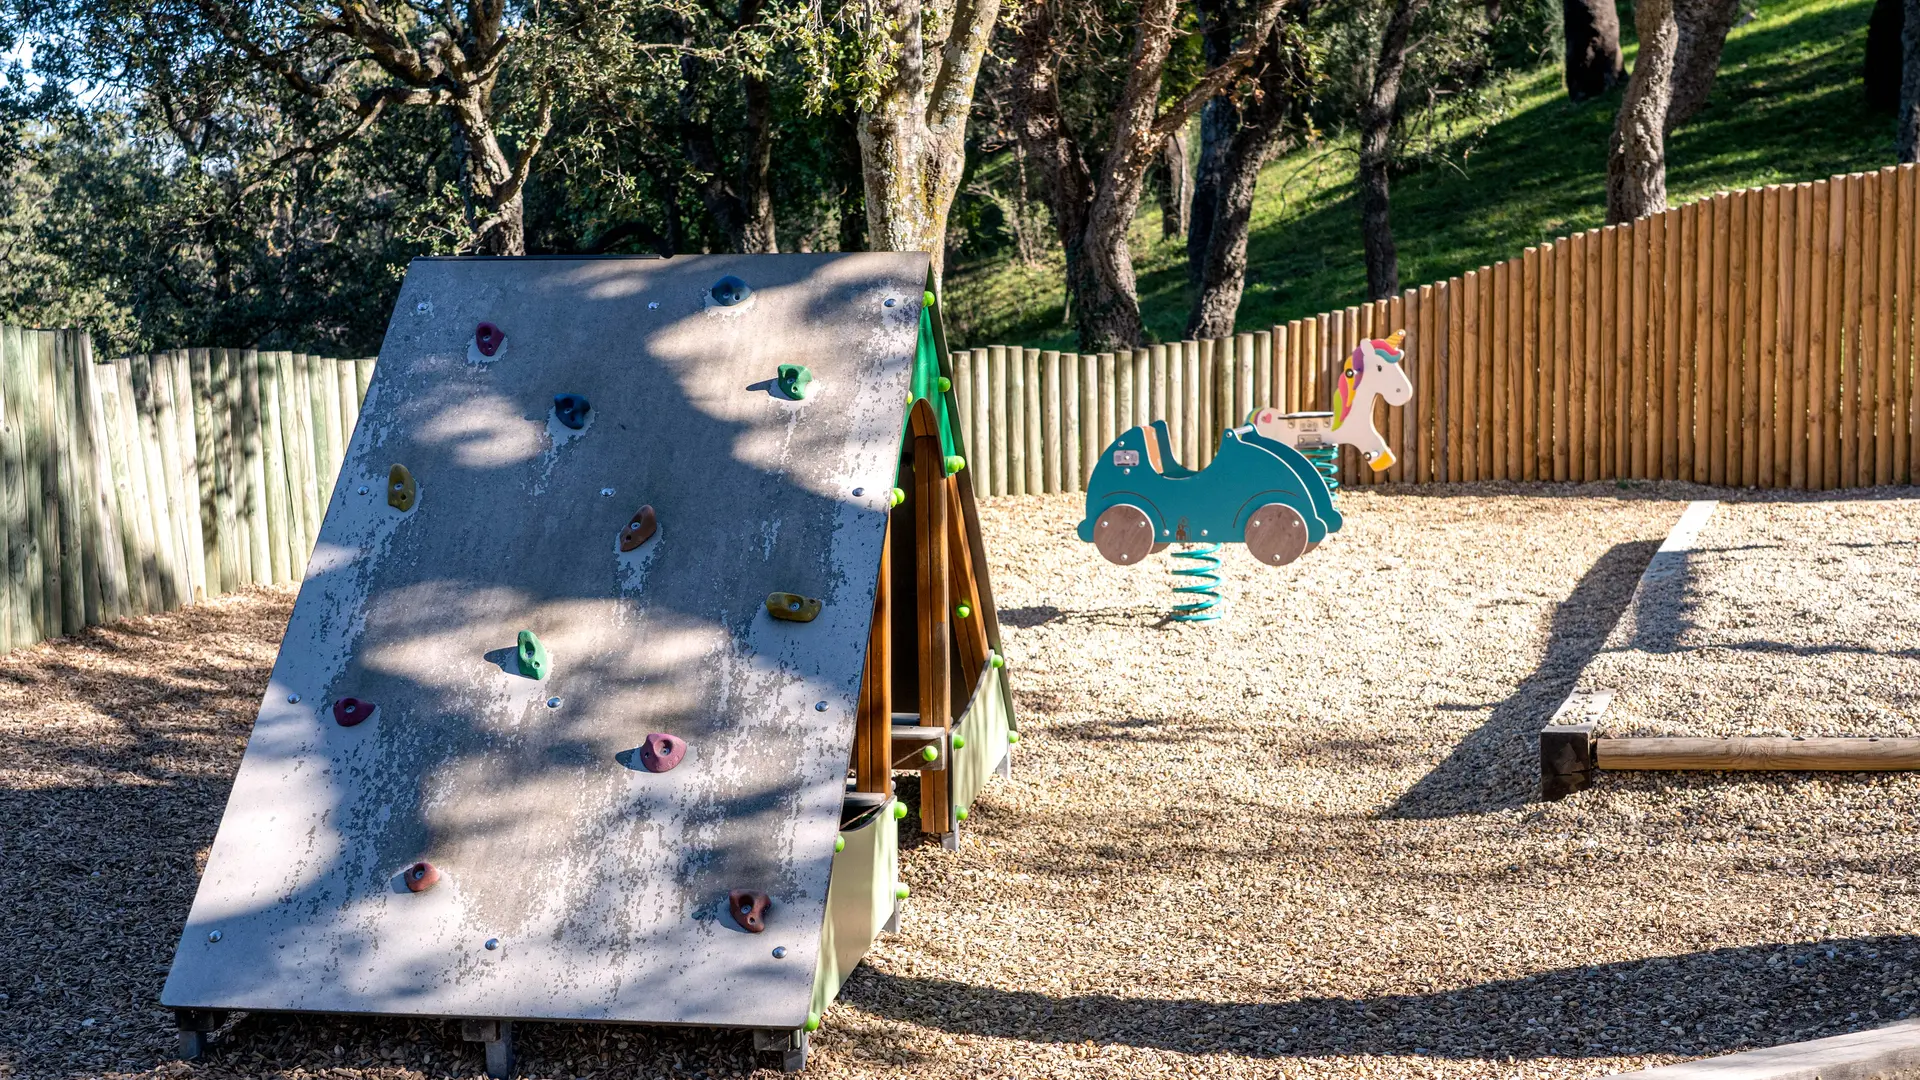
{"x":662,"y":752}
{"x":350,"y":711}
{"x":487,"y":338}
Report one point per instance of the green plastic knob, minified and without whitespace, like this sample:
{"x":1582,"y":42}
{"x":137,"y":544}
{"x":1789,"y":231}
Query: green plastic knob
{"x":794,"y":379}
{"x":813,"y":1021}
{"x":1013,"y":737}
{"x":928,"y":753}
{"x":946,"y":384}
{"x":896,"y":497}
{"x":955,"y":463}
{"x":532,"y":656}
{"x":960,"y":814}
{"x":959,"y":743}
{"x":899,"y":811}
{"x":962,"y":610}
{"x":999,"y":661}
{"x":927,"y":299}
{"x":839,"y":844}
{"x":900,"y":890}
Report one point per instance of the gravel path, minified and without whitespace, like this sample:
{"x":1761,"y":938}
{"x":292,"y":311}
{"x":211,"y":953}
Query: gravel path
{"x":1299,"y":843}
{"x":1792,"y":618}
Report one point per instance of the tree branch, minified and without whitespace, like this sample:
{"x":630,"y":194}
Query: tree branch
{"x":1216,"y":80}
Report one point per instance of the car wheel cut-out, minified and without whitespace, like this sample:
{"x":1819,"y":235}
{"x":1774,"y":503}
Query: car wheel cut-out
{"x":1276,"y":534}
{"x":1123,"y":534}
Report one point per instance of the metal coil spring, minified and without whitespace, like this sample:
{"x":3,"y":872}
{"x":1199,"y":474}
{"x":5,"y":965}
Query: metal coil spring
{"x":1204,"y":605}
{"x":1326,"y":460}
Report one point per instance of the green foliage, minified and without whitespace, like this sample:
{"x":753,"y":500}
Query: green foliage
{"x":1787,"y":106}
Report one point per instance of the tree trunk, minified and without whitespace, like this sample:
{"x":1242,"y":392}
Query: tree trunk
{"x":1637,"y":155}
{"x":1219,"y":119}
{"x":757,"y":232}
{"x":1377,"y":116}
{"x":1593,"y":64}
{"x":1173,"y":184}
{"x":495,"y":211}
{"x":1885,"y":60}
{"x":1223,"y":268}
{"x":1908,"y":136}
{"x":1696,"y":56}
{"x":913,"y":142}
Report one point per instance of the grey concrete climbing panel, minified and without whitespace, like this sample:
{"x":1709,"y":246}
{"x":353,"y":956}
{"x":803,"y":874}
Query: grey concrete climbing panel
{"x":574,"y":883}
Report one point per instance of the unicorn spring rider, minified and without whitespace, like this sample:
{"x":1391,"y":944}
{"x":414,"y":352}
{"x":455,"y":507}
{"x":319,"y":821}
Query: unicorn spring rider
{"x":1270,"y":485}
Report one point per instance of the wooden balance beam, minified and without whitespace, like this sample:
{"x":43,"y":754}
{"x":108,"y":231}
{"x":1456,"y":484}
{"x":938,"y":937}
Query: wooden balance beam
{"x":1571,"y":753}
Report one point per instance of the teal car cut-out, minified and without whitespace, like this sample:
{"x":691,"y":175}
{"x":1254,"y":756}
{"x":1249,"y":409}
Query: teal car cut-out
{"x":1256,"y":491}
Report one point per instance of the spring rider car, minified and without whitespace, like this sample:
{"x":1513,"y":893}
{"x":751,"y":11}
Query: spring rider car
{"x":1256,"y":491}
{"x":1373,"y":371}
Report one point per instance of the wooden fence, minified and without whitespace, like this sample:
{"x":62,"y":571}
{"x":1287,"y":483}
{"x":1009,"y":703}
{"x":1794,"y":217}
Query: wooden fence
{"x":1759,"y":338}
{"x":145,"y":483}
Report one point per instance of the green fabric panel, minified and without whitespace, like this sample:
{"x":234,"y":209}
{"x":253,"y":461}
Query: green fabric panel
{"x":859,"y":902}
{"x":926,"y":383}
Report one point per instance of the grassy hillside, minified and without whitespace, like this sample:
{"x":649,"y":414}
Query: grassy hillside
{"x":1787,"y":105}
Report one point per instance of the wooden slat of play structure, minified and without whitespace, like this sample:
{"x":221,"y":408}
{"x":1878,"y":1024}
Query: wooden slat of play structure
{"x":1765,"y":754}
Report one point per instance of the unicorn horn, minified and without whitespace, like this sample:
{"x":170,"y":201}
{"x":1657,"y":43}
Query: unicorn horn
{"x":1394,"y":339}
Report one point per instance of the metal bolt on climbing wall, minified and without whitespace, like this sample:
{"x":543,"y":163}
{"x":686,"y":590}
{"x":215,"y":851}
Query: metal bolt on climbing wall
{"x":293,"y":699}
{"x":363,"y":489}
{"x":890,"y":301}
{"x":606,"y":493}
{"x":553,"y":703}
{"x":493,"y":943}
{"x":213,"y":937}
{"x":779,"y":952}
{"x":819,"y":706}
{"x":857,"y":492}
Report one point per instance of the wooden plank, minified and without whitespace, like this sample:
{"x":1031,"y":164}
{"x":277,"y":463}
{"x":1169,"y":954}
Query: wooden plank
{"x":979,"y":372}
{"x":1526,"y":311}
{"x":1142,"y":387}
{"x":324,"y":417}
{"x":873,"y":733}
{"x":208,"y":427}
{"x":186,"y":450}
{"x":998,"y":452}
{"x":1672,"y":367}
{"x":280,"y":501}
{"x":961,"y":364}
{"x":1156,"y":382}
{"x":1052,"y":471}
{"x":1030,"y":414}
{"x":1454,"y":307}
{"x":1848,"y":336}
{"x":1752,"y":299}
{"x":1836,"y":296}
{"x":1761,"y":754}
{"x":116,"y":410}
{"x":1553,"y":361}
{"x":1072,"y":474}
{"x":363,"y":376}
{"x":1623,"y":390}
{"x":238,"y":362}
{"x":1498,"y":417}
{"x":1906,"y":342}
{"x":1425,"y":373}
{"x":1123,"y":406}
{"x":235,"y":553}
{"x":149,"y":492}
{"x":1262,"y":391}
{"x":1808,"y":202}
{"x":77,"y":406}
{"x":1188,"y":374}
{"x":1688,"y":370}
{"x":1470,"y":372}
{"x":73,"y":503}
{"x":1641,"y":419}
{"x":153,"y":383}
{"x":969,"y":630}
{"x":1016,"y":421}
{"x":1885,"y":357}
{"x":1107,"y":389}
{"x":1578,"y":249}
{"x":1774,"y":236}
{"x":13,"y":505}
{"x":112,"y":557}
{"x":308,"y":425}
{"x":1090,"y":444}
{"x":1829,"y":213}
{"x":47,"y":458}
{"x":1246,"y":363}
{"x":1602,"y":298}
{"x":1206,"y":403}
{"x":1865,"y":326}
{"x":1225,"y":365}
{"x":1713,"y":409}
{"x":931,"y":563}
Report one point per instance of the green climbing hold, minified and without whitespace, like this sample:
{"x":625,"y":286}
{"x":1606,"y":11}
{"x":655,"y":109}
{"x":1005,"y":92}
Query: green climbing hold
{"x":999,"y":661}
{"x":960,"y":813}
{"x":401,"y":489}
{"x":839,"y":844}
{"x":900,"y":890}
{"x":927,"y":299}
{"x":959,"y":743}
{"x":946,"y":384}
{"x":955,"y":463}
{"x":962,"y":610}
{"x":896,"y":497}
{"x":813,"y":1021}
{"x":899,"y":811}
{"x":928,"y":753}
{"x":794,"y":379}
{"x":1013,"y":737}
{"x":532,"y":656}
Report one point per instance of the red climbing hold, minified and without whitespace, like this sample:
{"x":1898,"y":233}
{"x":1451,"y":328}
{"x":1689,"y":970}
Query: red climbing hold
{"x":487,"y":338}
{"x":639,"y":530}
{"x":662,"y":752}
{"x":350,"y":711}
{"x":749,"y":909}
{"x":420,"y":877}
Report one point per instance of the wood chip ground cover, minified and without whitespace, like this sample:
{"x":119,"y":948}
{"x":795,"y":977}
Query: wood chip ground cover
{"x":1298,"y":843}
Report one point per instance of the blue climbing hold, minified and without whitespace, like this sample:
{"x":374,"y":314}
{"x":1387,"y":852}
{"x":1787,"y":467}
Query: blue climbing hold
{"x":730,"y":290}
{"x":571,"y":410}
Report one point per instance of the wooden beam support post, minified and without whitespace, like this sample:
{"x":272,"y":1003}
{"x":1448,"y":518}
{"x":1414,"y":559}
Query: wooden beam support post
{"x":931,"y":510}
{"x":971,"y":630}
{"x":873,"y":737}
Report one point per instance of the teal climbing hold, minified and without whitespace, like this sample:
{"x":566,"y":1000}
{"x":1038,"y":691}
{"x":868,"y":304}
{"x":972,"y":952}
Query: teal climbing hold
{"x":532,"y":656}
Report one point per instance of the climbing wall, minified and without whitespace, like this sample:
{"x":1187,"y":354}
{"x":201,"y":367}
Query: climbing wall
{"x":572,"y":882}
